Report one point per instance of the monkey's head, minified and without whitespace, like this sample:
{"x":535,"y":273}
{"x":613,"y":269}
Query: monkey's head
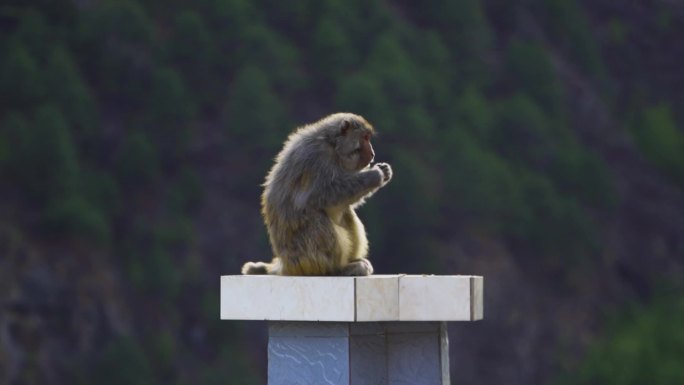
{"x":352,"y":143}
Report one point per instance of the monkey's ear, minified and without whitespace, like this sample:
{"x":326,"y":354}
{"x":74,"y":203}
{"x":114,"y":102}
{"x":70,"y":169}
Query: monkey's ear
{"x":344,"y":128}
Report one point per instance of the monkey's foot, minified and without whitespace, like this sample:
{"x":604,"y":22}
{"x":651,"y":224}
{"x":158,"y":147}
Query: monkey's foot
{"x":251,"y":268}
{"x":357,"y":268}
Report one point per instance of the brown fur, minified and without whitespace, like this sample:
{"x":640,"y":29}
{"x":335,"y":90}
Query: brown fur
{"x":322,"y":173}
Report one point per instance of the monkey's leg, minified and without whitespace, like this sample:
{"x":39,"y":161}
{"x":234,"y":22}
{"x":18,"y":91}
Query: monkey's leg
{"x":311,"y":263}
{"x":357,"y":267}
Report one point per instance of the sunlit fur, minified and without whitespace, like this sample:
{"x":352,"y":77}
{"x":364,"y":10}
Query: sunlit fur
{"x":319,"y":177}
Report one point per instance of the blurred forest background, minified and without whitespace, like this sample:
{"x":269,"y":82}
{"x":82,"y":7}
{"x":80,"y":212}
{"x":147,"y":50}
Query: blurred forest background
{"x":537,"y":143}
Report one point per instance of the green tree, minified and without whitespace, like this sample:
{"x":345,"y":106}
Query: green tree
{"x":35,"y":33}
{"x":529,"y":69}
{"x":661,"y":141}
{"x":228,"y":21}
{"x":191,"y":48}
{"x":21,"y":83}
{"x":417,"y":129}
{"x":521,"y":132}
{"x":481,"y":185}
{"x":75,"y":217}
{"x":272,"y":53}
{"x":475,"y":111}
{"x":363,"y":94}
{"x":416,"y":190}
{"x":550,"y":219}
{"x":137,"y":159}
{"x":119,"y":22}
{"x":391,"y":64}
{"x":332,"y":50}
{"x":465,"y":28}
{"x":45,"y":167}
{"x":435,"y":69}
{"x":45,"y":160}
{"x":641,"y":346}
{"x":122,"y":361}
{"x":568,"y":25}
{"x":359,"y":19}
{"x":297,"y":18}
{"x":67,"y":88}
{"x":186,"y":192}
{"x":162,"y":276}
{"x":254,"y":112}
{"x":170,"y":110}
{"x":579,"y":172}
{"x":101,"y":189}
{"x":117,"y":38}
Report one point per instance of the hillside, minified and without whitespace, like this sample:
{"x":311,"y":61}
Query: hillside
{"x":540,"y":144}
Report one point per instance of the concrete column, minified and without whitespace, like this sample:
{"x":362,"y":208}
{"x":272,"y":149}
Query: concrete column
{"x":376,"y":330}
{"x":346,"y":353}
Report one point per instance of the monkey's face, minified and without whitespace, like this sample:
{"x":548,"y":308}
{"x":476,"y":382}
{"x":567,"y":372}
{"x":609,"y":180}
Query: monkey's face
{"x":354,"y":149}
{"x":366,"y":153}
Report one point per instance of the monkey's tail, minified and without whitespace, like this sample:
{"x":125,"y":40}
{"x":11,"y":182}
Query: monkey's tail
{"x":252,"y":268}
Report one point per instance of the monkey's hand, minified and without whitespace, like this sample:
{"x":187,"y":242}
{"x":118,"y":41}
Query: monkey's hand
{"x":386,"y":171}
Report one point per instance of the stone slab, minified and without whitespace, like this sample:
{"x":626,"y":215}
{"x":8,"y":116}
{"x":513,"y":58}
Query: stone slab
{"x":352,"y":299}
{"x":476,"y":298}
{"x":377,"y":298}
{"x":263,"y":297}
{"x":430,"y":298}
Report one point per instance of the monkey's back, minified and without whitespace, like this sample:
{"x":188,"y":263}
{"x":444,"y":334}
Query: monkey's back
{"x":306,"y":238}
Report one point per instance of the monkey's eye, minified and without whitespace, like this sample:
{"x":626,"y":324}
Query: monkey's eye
{"x":366,"y":137}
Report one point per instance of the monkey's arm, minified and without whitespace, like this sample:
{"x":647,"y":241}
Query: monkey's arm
{"x":386,"y":176}
{"x":346,"y":189}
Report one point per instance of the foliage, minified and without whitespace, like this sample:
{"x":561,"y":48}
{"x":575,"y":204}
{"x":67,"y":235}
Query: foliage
{"x":20,"y":81}
{"x":482,"y":186}
{"x":266,"y":50}
{"x":465,"y":28}
{"x":393,"y":67}
{"x":122,"y":361}
{"x":643,"y":345}
{"x":522,"y":131}
{"x":67,"y":87}
{"x":44,"y":160}
{"x":362,"y":92}
{"x":333,"y":52}
{"x":566,"y":21}
{"x":192,"y":48}
{"x":661,"y":141}
{"x":170,"y":110}
{"x":75,"y":216}
{"x":137,"y":160}
{"x":254,"y":112}
{"x":529,"y":69}
{"x":117,"y":116}
{"x":117,"y":39}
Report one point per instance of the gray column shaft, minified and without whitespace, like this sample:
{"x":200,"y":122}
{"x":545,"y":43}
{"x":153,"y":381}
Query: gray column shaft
{"x":346,"y":353}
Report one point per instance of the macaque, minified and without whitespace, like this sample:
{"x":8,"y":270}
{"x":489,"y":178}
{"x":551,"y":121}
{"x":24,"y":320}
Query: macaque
{"x":320,"y":176}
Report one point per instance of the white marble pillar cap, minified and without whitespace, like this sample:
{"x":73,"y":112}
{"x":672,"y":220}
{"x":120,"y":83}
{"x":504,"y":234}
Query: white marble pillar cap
{"x":352,"y":299}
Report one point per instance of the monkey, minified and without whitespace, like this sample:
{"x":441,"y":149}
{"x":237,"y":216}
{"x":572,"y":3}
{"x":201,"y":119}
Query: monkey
{"x":322,"y":174}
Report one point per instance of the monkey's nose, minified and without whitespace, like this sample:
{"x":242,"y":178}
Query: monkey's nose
{"x":372,"y":154}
